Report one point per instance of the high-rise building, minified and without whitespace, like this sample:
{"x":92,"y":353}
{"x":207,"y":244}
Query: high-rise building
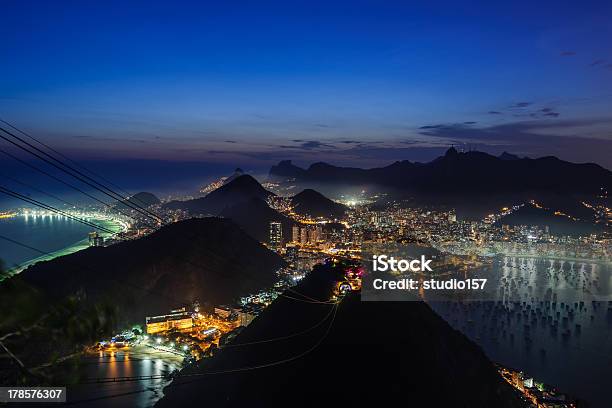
{"x":295,"y":233}
{"x":276,"y":235}
{"x":311,"y":236}
{"x":318,"y":233}
{"x":303,"y":236}
{"x":314,"y":234}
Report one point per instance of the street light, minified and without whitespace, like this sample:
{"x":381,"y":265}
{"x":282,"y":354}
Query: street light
{"x":158,"y":340}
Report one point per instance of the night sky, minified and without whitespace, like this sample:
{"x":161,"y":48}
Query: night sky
{"x":354,"y":83}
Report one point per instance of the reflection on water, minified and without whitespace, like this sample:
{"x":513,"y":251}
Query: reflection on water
{"x":134,"y":362}
{"x":57,"y":235}
{"x":551,"y":319}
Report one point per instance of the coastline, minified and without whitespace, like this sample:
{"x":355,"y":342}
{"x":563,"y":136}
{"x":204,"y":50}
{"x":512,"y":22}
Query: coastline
{"x":111,"y":224}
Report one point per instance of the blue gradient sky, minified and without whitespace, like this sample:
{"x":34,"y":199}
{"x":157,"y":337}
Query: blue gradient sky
{"x":354,"y":83}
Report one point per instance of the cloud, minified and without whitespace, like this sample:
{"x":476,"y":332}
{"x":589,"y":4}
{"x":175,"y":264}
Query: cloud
{"x":494,"y":113}
{"x":231,"y":141}
{"x":521,"y":105}
{"x":445,"y":125}
{"x":315,"y":144}
{"x":545,"y":112}
{"x":307,"y":145}
{"x":111,"y":139}
{"x":567,"y":53}
{"x":597,"y":62}
{"x":574,"y":140}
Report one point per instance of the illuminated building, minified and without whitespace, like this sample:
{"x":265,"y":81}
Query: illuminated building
{"x":315,"y":234}
{"x":292,"y":254}
{"x":276,"y":235}
{"x":223,"y":311}
{"x":95,"y":239}
{"x":295,"y":233}
{"x":245,"y":316}
{"x":179,"y":321}
{"x":303,"y":236}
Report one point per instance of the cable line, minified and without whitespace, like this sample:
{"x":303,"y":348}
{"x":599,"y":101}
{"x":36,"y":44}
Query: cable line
{"x":67,"y":158}
{"x":79,"y":176}
{"x":280,"y":338}
{"x":37,"y":190}
{"x":52,"y":209}
{"x":38,"y":169}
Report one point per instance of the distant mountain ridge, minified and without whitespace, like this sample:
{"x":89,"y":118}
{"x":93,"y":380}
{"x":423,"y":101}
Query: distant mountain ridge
{"x":467,"y":172}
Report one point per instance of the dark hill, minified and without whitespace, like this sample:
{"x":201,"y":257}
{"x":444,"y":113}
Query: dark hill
{"x":142,"y":199}
{"x":558,"y":224}
{"x":311,"y":202}
{"x":241,"y":189}
{"x":211,"y":260}
{"x":237,"y":173}
{"x":254,"y":216}
{"x":372,"y":354}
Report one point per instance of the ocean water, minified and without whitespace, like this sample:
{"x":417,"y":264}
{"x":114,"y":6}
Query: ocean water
{"x":53,"y":234}
{"x":564,"y":340}
{"x":135,"y":361}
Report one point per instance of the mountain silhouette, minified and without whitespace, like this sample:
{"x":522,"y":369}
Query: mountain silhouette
{"x":240,"y":189}
{"x":370,"y":354}
{"x":313,"y":203}
{"x":508,"y":156}
{"x":254,"y":216}
{"x":469,"y":172}
{"x":558,"y":224}
{"x":237,"y":173}
{"x":211,"y":260}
